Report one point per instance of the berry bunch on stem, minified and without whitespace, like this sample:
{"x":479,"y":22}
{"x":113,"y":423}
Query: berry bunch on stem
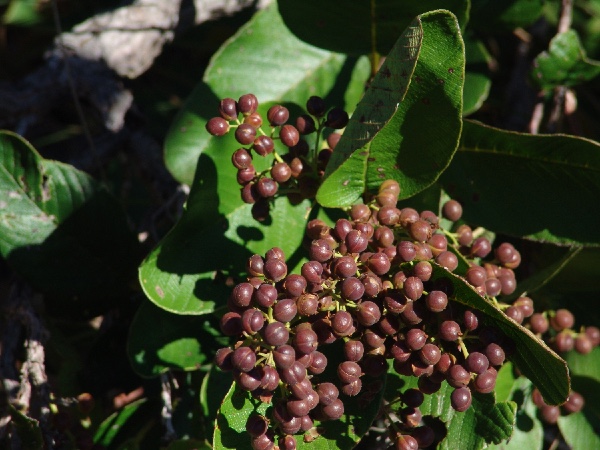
{"x":368,"y":285}
{"x":296,"y":172}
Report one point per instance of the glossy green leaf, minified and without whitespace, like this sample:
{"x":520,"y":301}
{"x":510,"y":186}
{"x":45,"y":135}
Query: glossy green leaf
{"x":58,"y":228}
{"x":534,"y":359}
{"x":477,"y":75}
{"x":159,"y":341}
{"x":526,"y":177}
{"x":484,"y":422}
{"x":266,"y":59}
{"x":565,"y":63}
{"x":359,"y":26}
{"x":494,"y":16}
{"x":407,"y":125}
{"x":343,"y":434}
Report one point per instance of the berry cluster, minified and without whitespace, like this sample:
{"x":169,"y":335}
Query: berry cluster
{"x":295,"y":173}
{"x":368,"y":284}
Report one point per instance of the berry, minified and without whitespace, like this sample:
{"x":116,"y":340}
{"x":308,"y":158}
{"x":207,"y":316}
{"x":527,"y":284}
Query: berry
{"x":289,"y":135}
{"x":281,"y":172}
{"x":245,"y":134}
{"x":228,"y":109}
{"x":263,"y":145}
{"x":217,"y":126}
{"x":247,"y":104}
{"x":562,"y":319}
{"x":337,"y":118}
{"x":461,"y":399}
{"x":243,"y":359}
{"x":275,"y":333}
{"x":452,"y":210}
{"x":241,"y":159}
{"x":278,"y":115}
{"x":316,"y":106}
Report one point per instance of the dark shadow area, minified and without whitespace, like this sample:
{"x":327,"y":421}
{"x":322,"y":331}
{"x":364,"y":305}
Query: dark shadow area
{"x":84,"y":266}
{"x":153,"y":328}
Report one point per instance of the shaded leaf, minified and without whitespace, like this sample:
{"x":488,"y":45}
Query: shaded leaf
{"x":360,"y":26}
{"x":525,"y":177}
{"x":159,"y":341}
{"x":288,"y":70}
{"x":407,"y":125}
{"x":215,"y":386}
{"x":59,"y":228}
{"x":564,"y":64}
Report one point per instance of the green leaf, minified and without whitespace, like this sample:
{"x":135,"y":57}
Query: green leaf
{"x":535,"y":360}
{"x":477,"y":75}
{"x":177,"y":279}
{"x":288,"y":70}
{"x":59,"y":229}
{"x":525,"y":177}
{"x":28,"y":429}
{"x":565,"y":63}
{"x":578,"y":431}
{"x":159,"y":341}
{"x":407,"y":125}
{"x":360,"y":26}
{"x":230,"y":426}
{"x":488,"y":16}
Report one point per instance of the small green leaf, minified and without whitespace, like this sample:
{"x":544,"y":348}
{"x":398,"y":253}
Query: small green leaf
{"x":407,"y":125}
{"x":535,"y":360}
{"x":525,"y":177}
{"x":159,"y":341}
{"x":360,"y":26}
{"x":288,"y":70}
{"x":565,"y":63}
